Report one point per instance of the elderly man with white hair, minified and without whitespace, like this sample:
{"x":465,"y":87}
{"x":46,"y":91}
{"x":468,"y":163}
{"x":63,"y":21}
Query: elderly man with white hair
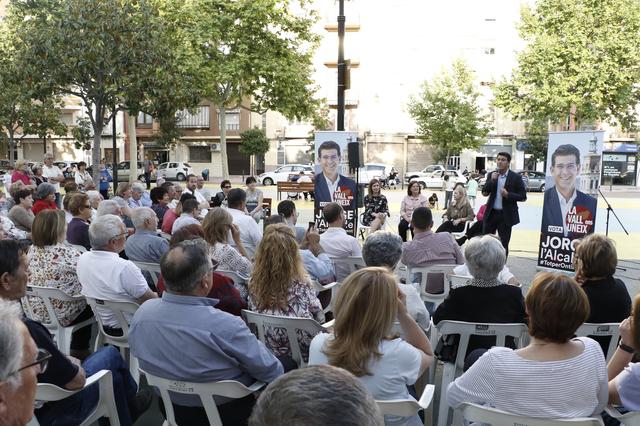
{"x":145,"y":245}
{"x":19,"y":367}
{"x":137,"y":191}
{"x":94,"y":200}
{"x":105,"y":275}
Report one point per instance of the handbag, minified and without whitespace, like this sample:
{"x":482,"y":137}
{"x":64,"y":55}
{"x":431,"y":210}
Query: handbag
{"x":447,"y":348}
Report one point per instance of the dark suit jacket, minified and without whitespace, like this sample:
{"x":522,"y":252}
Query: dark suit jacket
{"x":345,"y":185}
{"x":517,"y":192}
{"x":552,"y":214}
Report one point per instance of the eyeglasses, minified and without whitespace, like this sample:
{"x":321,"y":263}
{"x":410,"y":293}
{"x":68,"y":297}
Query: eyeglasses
{"x":42,"y":361}
{"x":118,"y":235}
{"x":227,"y":186}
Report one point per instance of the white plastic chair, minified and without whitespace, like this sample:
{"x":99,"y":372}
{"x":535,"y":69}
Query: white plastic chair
{"x":462,"y":233}
{"x":605,"y":329}
{"x":487,"y":415}
{"x":236,"y":277}
{"x":407,"y":407}
{"x":343,"y":266}
{"x":206,"y":392}
{"x":457,"y":281}
{"x":467,"y":329}
{"x":151,"y":269}
{"x":430,"y":273}
{"x":632,"y":418}
{"x":106,"y":406}
{"x":290,"y":324}
{"x":121,"y":342}
{"x":319,"y":288}
{"x":61,"y":334}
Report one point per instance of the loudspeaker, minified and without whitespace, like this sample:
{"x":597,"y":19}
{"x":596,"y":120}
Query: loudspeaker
{"x":356,"y":157}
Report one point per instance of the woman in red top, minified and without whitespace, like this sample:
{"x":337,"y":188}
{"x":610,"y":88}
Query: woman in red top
{"x":22,"y":174}
{"x":45,"y":198}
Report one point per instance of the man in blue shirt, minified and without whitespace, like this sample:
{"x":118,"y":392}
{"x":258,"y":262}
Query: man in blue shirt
{"x":184,"y":337}
{"x":145,"y":245}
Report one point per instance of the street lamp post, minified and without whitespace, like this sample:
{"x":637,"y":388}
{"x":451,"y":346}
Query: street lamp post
{"x":341,"y":66}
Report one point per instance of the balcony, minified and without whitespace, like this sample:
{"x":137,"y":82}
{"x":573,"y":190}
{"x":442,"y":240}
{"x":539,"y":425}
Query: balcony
{"x":200,"y":119}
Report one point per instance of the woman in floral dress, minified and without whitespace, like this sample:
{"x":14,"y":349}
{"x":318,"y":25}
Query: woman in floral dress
{"x":376,"y":208}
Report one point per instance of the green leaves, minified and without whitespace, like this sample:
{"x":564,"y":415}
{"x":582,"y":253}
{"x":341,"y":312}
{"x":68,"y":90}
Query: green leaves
{"x":254,"y":142}
{"x":447,"y":114}
{"x":580,"y":54}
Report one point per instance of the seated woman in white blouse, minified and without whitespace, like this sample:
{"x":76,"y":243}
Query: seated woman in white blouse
{"x":555,"y":376}
{"x":362,"y":343}
{"x":624,"y":375}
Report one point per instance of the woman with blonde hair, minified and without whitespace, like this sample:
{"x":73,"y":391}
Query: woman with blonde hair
{"x":218,"y":224}
{"x":458,"y":212}
{"x":280,"y":286}
{"x":363,"y":343}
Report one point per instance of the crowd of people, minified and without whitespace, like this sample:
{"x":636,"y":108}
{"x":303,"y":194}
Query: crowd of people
{"x":218,"y":253}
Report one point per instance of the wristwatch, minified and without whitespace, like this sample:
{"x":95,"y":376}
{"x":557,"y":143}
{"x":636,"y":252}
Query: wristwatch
{"x":626,"y":348}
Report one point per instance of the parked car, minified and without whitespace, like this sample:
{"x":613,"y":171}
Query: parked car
{"x":373,"y":170}
{"x":174,"y":171}
{"x":124,"y":172}
{"x":281,"y":174}
{"x":436,"y":179}
{"x":427,"y":171}
{"x":534,"y":181}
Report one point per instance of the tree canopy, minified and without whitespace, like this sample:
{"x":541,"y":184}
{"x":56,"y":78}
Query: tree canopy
{"x":447,"y":114}
{"x":582,"y":58}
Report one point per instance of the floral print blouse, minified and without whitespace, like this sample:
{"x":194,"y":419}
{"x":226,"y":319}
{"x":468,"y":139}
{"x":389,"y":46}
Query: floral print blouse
{"x":55,"y":266}
{"x":302,"y":302}
{"x":374,"y":205}
{"x":229,"y":259}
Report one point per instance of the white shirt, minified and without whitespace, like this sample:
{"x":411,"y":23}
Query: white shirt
{"x":184,"y":220}
{"x":206,"y":194}
{"x":504,"y":276}
{"x":250,"y":232}
{"x":333,"y":186}
{"x":82,"y":178}
{"x":306,"y":179}
{"x":336,"y":243}
{"x":565,"y":206}
{"x":415,"y":305}
{"x":52,"y":172}
{"x":398,"y":367}
{"x":105,"y":275}
{"x":199,"y":197}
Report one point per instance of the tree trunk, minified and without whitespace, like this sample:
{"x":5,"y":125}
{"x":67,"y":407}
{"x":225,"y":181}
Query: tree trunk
{"x":133,"y":147}
{"x":222,"y":120}
{"x":12,"y":147}
{"x":98,"y":124}
{"x":572,"y":118}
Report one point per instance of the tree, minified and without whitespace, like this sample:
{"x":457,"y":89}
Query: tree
{"x":255,"y":55}
{"x":447,"y":114}
{"x":108,"y":53}
{"x":254,"y":142}
{"x":537,"y":136}
{"x":82,"y":134}
{"x":582,"y":61}
{"x":46,"y":118}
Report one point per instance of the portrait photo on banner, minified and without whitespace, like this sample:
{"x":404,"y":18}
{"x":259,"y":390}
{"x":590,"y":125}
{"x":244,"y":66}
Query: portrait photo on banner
{"x":332,"y":181}
{"x":571,"y":198}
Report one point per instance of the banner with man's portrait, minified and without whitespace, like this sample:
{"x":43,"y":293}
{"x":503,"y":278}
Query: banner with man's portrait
{"x":332,"y":182}
{"x":570,"y":197}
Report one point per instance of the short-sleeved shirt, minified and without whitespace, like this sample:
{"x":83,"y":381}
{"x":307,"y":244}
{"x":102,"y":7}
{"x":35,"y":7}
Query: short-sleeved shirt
{"x":52,"y":172}
{"x":105,"y":275}
{"x":628,"y":385}
{"x":398,"y":367}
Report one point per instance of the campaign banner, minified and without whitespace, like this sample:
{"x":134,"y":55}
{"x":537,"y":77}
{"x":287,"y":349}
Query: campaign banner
{"x":571,"y":195}
{"x":332,"y":181}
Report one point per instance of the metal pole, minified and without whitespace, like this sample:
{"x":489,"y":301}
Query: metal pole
{"x":341,"y":67}
{"x":115,"y":147}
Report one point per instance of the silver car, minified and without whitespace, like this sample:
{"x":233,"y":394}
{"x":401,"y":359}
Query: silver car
{"x":124,"y":172}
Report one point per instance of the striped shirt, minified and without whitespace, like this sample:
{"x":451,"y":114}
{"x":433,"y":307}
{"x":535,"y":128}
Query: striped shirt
{"x":575,"y":387}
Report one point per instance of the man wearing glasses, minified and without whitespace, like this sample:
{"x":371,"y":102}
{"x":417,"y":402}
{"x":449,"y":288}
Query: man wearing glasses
{"x":331,"y":186}
{"x":63,"y":370}
{"x":220,"y":198}
{"x":567,"y":211}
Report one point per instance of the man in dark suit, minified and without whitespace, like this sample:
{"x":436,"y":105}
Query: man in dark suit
{"x":330,"y":186}
{"x":563,"y":197}
{"x":504,"y":189}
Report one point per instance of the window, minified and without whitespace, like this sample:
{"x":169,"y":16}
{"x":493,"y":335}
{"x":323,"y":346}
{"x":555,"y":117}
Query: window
{"x":200,"y":154}
{"x":200,"y":119}
{"x":144,"y":119}
{"x":489,"y":51}
{"x":233,"y":120}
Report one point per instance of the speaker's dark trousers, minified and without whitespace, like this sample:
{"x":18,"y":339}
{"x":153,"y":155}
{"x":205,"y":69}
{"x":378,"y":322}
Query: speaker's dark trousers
{"x":493,"y":222}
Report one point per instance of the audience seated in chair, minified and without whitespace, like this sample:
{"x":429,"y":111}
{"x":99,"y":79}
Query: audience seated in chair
{"x":53,"y":264}
{"x":104,"y":275}
{"x":595,"y":262}
{"x":21,"y":214}
{"x":428,"y":248}
{"x":458,"y":213}
{"x":65,"y":371}
{"x":484,"y":298}
{"x":189,"y":215}
{"x":366,"y":308}
{"x":160,"y":200}
{"x":505,"y":275}
{"x":316,"y":396}
{"x":335,"y":241}
{"x":376,"y":208}
{"x":183,"y":337}
{"x":287,"y":209}
{"x":250,"y":232}
{"x":624,"y":375}
{"x":19,"y":366}
{"x":280,"y":285}
{"x":384,"y":249}
{"x":78,"y":228}
{"x":145,"y":245}
{"x":555,"y":376}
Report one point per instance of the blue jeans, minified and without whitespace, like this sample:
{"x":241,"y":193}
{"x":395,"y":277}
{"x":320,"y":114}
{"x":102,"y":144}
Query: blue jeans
{"x":72,"y":410}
